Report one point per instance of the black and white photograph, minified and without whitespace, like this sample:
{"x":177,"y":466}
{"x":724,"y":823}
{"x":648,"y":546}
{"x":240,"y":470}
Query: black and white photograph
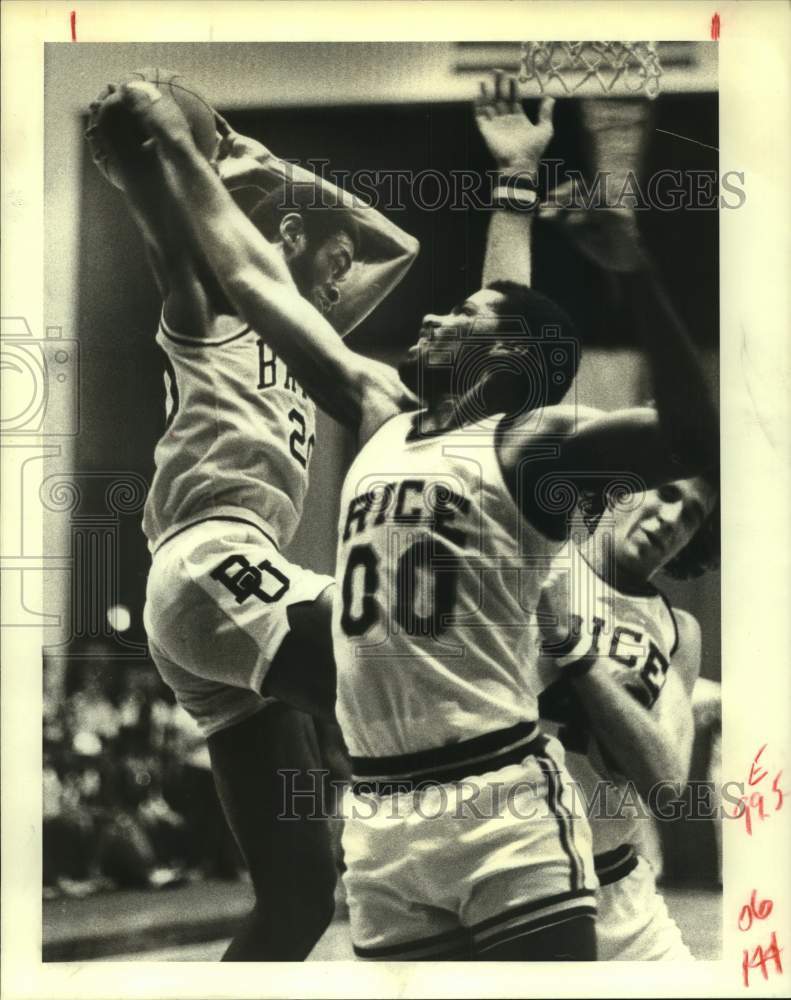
{"x":369,"y":518}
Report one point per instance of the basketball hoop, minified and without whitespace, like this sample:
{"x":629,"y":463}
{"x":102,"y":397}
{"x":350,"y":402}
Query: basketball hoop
{"x":562,"y":69}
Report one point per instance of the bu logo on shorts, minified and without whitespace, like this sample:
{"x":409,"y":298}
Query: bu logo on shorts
{"x":244,"y":580}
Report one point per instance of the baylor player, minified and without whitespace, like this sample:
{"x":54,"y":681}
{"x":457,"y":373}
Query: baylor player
{"x":230,"y":620}
{"x":481,"y":453}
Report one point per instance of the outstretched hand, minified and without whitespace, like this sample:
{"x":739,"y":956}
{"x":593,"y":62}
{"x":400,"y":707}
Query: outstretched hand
{"x":512,"y":139}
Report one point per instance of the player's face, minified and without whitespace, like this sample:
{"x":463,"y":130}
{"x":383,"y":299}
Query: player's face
{"x":443,"y":337}
{"x":327,"y":269}
{"x":647,"y":538}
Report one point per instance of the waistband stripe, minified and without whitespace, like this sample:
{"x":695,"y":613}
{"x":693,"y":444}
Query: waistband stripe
{"x":450,"y":763}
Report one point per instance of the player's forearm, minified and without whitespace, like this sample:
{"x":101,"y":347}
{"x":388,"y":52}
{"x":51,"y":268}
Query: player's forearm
{"x":387,"y":252}
{"x":687,"y":414}
{"x":332,"y":375}
{"x":229,"y":240}
{"x":643,"y":749}
{"x":383,"y":239}
{"x":508,"y":247}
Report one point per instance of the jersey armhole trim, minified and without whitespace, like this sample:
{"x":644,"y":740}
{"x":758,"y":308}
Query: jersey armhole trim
{"x":186,"y":341}
{"x":669,"y":607}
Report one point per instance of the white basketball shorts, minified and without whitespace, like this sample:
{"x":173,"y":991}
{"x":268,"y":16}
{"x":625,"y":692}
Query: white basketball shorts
{"x":634,"y":924}
{"x":454,"y":869}
{"x":216,"y":614}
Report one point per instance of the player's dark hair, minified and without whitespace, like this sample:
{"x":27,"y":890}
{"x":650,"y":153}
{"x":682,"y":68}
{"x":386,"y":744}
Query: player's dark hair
{"x":321,"y":216}
{"x":535,"y":314}
{"x":702,"y":551}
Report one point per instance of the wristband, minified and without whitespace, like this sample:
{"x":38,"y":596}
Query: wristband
{"x":515,"y":191}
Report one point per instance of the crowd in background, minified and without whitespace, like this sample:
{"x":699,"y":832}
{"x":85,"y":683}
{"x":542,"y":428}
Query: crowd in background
{"x":129,"y":799}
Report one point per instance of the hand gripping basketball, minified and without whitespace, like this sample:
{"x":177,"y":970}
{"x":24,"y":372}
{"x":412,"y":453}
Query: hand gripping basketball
{"x":159,"y":118}
{"x":150,"y":104}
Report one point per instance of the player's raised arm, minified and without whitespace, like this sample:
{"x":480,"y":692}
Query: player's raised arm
{"x":179,"y":269}
{"x":355,"y":390}
{"x":516,"y":145}
{"x":679,"y":435}
{"x":387,"y":251}
{"x":677,"y":438}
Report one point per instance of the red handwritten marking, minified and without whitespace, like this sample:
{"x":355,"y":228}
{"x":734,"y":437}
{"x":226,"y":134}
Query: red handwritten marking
{"x":778,"y":791}
{"x":754,"y":910}
{"x":73,"y":20}
{"x":754,"y":805}
{"x":715,"y":28}
{"x":759,"y":959}
{"x":755,"y":778}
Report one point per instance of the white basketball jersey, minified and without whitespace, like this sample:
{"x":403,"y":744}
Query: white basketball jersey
{"x":637,"y":637}
{"x":438,"y":573}
{"x":238,"y":437}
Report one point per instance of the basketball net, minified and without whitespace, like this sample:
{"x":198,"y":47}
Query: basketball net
{"x":561,"y":69}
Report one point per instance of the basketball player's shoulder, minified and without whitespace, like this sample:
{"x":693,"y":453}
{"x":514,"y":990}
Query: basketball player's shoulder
{"x":541,"y":424}
{"x":563,"y":418}
{"x":688,"y":629}
{"x":569,"y":417}
{"x":384,"y":427}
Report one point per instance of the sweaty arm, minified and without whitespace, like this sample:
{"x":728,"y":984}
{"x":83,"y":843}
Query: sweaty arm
{"x":649,"y":746}
{"x":354,"y":390}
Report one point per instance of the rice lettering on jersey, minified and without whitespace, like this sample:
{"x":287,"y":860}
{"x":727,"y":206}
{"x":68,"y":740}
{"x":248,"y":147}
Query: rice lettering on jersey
{"x":238,"y":438}
{"x":636,"y":637}
{"x":439,"y":576}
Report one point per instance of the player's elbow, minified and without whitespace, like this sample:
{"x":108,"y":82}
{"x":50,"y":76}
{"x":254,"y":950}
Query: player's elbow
{"x":411,"y":247}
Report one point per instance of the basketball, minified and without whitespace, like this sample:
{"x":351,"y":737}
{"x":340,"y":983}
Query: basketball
{"x":116,"y":136}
